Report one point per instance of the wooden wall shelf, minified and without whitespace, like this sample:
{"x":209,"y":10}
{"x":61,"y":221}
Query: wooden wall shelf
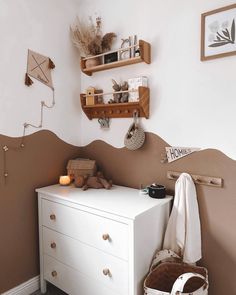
{"x":145,"y":56}
{"x":118,"y":110}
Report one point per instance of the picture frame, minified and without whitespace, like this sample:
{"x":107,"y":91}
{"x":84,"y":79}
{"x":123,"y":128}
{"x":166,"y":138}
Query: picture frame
{"x":125,"y":53}
{"x":110,"y":57}
{"x":218,"y":33}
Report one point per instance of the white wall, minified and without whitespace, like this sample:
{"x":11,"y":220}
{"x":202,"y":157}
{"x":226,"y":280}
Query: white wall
{"x":193,"y":103}
{"x":42,"y":26}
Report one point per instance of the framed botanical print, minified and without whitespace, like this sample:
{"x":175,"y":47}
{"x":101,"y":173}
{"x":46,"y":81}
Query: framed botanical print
{"x":218,"y":33}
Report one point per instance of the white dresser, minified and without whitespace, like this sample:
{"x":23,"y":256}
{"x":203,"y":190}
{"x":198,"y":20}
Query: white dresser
{"x":98,"y":242}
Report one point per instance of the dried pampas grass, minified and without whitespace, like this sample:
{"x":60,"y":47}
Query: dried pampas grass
{"x":82,"y":34}
{"x":87,"y":37}
{"x":107,"y":40}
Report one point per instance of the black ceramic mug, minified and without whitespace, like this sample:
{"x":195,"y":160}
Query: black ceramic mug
{"x":157,"y":191}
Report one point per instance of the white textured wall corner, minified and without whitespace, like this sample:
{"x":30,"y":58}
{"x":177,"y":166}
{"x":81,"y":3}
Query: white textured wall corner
{"x":42,"y":26}
{"x":193,"y":103}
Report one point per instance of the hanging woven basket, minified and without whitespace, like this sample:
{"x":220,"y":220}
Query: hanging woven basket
{"x":135,"y":136}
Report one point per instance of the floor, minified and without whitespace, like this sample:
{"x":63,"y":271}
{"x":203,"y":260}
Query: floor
{"x":51,"y":290}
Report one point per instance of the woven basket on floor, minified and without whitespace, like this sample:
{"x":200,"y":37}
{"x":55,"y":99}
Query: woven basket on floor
{"x":171,"y":277}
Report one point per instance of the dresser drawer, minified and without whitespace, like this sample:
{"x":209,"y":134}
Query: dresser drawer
{"x":72,"y":281}
{"x":105,"y":268}
{"x":100,"y":232}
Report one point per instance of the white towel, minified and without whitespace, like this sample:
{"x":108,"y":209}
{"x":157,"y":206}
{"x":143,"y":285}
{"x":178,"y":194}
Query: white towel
{"x":183,"y":233}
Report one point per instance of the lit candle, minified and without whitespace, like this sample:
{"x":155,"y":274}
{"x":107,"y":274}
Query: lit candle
{"x":64,"y":180}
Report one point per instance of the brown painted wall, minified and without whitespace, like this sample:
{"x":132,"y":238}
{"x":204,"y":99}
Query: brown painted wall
{"x":44,"y":159}
{"x":39,"y":164}
{"x":217,"y":205}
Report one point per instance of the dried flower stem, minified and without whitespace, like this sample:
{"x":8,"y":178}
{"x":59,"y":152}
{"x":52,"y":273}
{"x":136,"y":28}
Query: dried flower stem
{"x":87,"y":37}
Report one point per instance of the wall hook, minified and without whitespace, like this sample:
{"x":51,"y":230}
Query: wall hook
{"x":135,"y":113}
{"x":163,"y":158}
{"x":104,"y":123}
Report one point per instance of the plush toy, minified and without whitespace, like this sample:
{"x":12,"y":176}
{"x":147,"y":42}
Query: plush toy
{"x":97,"y":182}
{"x":116,"y":87}
{"x":125,"y":95}
{"x":79,"y":181}
{"x":119,"y":97}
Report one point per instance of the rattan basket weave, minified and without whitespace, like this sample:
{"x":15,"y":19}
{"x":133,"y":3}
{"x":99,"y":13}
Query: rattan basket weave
{"x":135,"y":136}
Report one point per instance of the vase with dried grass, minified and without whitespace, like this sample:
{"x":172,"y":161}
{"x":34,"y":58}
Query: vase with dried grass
{"x":87,"y":37}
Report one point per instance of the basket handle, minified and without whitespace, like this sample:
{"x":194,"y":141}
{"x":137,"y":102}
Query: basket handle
{"x":135,"y":117}
{"x":179,"y":284}
{"x":162,"y":255}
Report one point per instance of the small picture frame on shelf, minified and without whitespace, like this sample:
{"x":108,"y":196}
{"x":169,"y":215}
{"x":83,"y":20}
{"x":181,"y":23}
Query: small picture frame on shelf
{"x":110,"y":57}
{"x":126,"y":52}
{"x":218,"y":33}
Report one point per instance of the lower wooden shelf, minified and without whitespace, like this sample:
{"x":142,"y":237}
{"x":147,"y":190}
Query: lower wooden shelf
{"x":118,"y":110}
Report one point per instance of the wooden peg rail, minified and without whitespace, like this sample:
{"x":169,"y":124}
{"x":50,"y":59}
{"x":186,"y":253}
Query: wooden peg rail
{"x":198,"y":179}
{"x":118,"y":110}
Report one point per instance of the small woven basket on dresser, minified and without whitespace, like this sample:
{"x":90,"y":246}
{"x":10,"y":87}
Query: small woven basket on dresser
{"x":81,"y":167}
{"x":170,"y":276}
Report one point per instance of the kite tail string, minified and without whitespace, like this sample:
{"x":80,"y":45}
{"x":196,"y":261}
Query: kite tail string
{"x":22,"y":142}
{"x":43,"y":105}
{"x":53,"y":100}
{"x":5,"y":174}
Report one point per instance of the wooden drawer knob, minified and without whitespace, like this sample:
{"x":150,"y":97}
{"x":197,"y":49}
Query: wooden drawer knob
{"x":106,"y":237}
{"x":106,"y":272}
{"x":54,"y":273}
{"x":53,"y":217}
{"x":53,"y":245}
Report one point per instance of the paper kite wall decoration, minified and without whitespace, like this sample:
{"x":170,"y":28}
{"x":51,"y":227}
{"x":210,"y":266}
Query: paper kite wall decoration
{"x":39,"y":67}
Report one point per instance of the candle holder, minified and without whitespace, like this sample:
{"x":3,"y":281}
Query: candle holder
{"x":64,"y":180}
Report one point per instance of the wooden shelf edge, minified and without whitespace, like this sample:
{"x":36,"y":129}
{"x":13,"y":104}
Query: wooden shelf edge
{"x":145,"y":56}
{"x":111,"y":105}
{"x":145,"y":51}
{"x":116,"y":64}
{"x":118,"y":110}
